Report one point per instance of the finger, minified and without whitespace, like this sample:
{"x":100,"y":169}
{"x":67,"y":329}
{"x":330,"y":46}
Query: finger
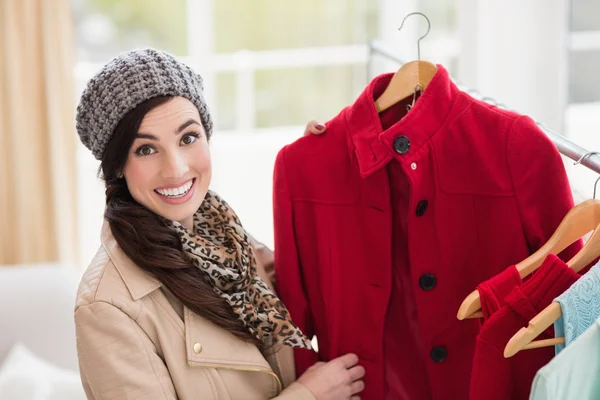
{"x":314,"y":128}
{"x":347,"y":361}
{"x":357,"y":387}
{"x":320,"y":128}
{"x":356,"y":373}
{"x":310,"y":126}
{"x":355,"y":398}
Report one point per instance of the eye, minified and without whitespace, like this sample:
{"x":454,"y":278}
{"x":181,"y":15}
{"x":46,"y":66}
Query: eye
{"x":189,"y":138}
{"x":145,"y":150}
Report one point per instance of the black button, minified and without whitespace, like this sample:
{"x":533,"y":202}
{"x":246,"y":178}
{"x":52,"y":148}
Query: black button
{"x":422,"y":207}
{"x":427,"y":281}
{"x":401,"y":144}
{"x":438,"y":354}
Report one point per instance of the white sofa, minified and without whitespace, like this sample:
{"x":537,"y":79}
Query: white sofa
{"x":38,"y":357}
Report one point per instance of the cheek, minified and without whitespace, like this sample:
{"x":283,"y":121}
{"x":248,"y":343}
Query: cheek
{"x":201,"y":160}
{"x":138,"y":176}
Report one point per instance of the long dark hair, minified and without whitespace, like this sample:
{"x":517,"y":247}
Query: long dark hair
{"x":148,"y":241}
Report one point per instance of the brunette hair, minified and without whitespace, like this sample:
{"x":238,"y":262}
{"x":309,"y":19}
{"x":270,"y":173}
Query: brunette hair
{"x":148,"y":241}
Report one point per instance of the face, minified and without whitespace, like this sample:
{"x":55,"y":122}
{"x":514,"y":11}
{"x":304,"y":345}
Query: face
{"x":168,"y":168}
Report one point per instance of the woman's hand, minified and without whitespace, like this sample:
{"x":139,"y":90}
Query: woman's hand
{"x":338,"y":379}
{"x":314,"y":128}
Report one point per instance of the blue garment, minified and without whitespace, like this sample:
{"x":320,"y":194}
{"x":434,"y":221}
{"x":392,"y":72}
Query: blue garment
{"x":580,"y":307}
{"x":573,"y":374}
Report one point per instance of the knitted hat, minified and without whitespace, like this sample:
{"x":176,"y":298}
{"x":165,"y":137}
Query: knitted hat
{"x":127,"y":81}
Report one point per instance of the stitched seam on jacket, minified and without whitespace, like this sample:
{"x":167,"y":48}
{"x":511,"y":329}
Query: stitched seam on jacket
{"x":232,"y":363}
{"x":211,"y":383}
{"x":219,"y":377}
{"x":285,"y":173}
{"x":122,"y":274}
{"x":173,"y":323}
{"x":94,"y":296}
{"x":447,"y":125}
{"x":149,"y":357}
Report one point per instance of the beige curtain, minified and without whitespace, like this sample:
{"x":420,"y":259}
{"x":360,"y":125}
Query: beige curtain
{"x":37,"y":132}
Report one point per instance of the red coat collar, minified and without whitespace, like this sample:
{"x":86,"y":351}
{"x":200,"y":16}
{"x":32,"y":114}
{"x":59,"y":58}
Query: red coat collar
{"x":374,"y":145}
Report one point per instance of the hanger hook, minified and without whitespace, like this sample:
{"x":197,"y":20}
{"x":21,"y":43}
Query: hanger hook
{"x":422,"y":37}
{"x":583,"y":157}
{"x":586,"y":155}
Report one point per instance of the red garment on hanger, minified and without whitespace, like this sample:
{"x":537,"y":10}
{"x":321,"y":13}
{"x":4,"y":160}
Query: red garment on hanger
{"x":493,"y":291}
{"x":495,"y":377}
{"x":482,"y":188}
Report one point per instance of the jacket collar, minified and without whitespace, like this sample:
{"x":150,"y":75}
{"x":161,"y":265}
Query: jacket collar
{"x":138,"y":282}
{"x":374,"y":144}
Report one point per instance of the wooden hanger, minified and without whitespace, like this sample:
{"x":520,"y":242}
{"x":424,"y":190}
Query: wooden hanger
{"x":411,"y":78}
{"x":524,"y":338}
{"x":579,"y":221}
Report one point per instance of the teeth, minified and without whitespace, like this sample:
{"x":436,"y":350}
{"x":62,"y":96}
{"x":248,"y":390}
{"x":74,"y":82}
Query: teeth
{"x":177,"y":192}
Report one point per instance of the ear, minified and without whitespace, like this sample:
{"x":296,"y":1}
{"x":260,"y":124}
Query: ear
{"x":120,"y":174}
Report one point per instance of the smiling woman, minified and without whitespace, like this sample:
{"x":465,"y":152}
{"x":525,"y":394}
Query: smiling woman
{"x":176,"y":303}
{"x":167,"y":170}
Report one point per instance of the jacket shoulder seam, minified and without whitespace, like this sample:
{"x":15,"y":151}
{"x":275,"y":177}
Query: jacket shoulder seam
{"x":94,"y":295}
{"x":116,"y":301}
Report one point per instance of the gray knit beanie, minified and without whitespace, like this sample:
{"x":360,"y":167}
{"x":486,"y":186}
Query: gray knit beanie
{"x":127,"y":81}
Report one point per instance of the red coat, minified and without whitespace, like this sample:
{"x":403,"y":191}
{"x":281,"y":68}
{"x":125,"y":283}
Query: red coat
{"x":496,"y":190}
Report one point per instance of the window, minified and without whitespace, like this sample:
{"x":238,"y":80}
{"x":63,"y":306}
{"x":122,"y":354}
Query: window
{"x":584,"y":15}
{"x":584,"y":51}
{"x":274,"y":25}
{"x":108,"y":27}
{"x":287,"y":54}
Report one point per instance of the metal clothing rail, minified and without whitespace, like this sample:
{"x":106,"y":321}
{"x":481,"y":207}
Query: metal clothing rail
{"x":575,"y":152}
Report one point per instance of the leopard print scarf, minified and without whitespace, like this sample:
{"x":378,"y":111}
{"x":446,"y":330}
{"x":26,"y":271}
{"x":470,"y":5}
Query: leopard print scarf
{"x":220,"y":247}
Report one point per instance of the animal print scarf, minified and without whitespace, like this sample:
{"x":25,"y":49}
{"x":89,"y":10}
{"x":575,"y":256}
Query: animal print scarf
{"x":220,"y":247}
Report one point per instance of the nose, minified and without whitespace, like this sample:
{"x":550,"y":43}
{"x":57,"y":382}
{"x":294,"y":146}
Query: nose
{"x":175,"y":165}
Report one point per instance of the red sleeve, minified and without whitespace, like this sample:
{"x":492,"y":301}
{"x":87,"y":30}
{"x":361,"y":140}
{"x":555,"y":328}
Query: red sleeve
{"x":493,"y":291}
{"x":288,"y":271}
{"x":540,"y":183}
{"x":491,"y":374}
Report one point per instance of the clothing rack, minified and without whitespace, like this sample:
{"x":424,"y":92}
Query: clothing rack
{"x":564,"y":146}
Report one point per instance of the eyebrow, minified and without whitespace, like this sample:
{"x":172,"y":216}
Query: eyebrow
{"x":181,"y":128}
{"x":186,"y":124}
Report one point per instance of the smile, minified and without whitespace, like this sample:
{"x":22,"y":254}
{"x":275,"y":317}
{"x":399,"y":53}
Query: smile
{"x":175,"y":193}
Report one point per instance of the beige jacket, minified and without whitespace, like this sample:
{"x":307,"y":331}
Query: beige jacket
{"x":135,"y":340}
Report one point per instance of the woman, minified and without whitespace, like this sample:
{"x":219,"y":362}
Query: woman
{"x":175,"y":303}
